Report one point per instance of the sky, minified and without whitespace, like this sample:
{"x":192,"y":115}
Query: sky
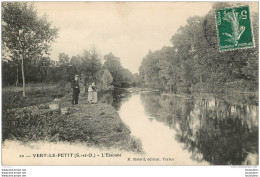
{"x":127,"y":29}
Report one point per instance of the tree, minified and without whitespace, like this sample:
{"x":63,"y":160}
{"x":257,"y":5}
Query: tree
{"x":91,"y":66}
{"x":106,"y":79}
{"x":194,"y":59}
{"x":64,"y":58}
{"x":149,"y":70}
{"x":112,"y":63}
{"x":26,"y":35}
{"x":136,"y":80}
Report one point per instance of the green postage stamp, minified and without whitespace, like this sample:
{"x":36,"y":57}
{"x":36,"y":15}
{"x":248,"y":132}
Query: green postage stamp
{"x":234,"y":28}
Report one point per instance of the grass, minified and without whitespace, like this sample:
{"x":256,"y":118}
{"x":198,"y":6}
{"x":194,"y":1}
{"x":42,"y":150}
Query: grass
{"x":97,"y":125}
{"x":30,"y":87}
{"x":35,"y":94}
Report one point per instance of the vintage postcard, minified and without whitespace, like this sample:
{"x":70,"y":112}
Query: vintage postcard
{"x":129,"y":83}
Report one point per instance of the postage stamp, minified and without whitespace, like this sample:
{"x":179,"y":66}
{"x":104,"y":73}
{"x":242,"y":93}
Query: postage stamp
{"x":234,"y":28}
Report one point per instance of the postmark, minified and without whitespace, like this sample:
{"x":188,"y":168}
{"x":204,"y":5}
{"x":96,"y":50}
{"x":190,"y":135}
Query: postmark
{"x":234,"y":28}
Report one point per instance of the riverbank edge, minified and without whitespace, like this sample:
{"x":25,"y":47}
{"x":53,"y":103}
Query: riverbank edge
{"x":230,"y":97}
{"x":96,"y":125}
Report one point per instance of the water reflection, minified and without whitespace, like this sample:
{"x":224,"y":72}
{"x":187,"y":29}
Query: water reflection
{"x":213,"y":130}
{"x":157,"y":139}
{"x":202,"y":130}
{"x":115,"y":98}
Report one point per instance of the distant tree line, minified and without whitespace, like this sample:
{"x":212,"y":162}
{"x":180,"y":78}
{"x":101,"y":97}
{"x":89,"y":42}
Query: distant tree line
{"x":88,"y":66}
{"x":194,"y":62}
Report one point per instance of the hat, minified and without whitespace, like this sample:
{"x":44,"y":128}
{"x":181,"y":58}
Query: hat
{"x":76,"y":75}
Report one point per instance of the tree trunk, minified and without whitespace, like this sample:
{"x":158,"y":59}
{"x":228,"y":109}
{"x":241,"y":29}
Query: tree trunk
{"x":17,"y":81}
{"x":23,"y":78}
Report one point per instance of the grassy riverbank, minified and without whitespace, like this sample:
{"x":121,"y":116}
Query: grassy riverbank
{"x":96,"y":125}
{"x":12,"y":97}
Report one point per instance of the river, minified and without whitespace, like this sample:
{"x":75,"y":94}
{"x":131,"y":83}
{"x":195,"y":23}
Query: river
{"x":194,"y":130}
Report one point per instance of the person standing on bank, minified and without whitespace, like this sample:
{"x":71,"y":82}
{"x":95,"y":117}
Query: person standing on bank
{"x":75,"y":90}
{"x":92,"y":93}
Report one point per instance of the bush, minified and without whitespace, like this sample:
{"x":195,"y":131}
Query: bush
{"x":242,"y":86}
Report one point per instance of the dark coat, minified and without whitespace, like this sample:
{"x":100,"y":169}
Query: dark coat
{"x":75,"y":86}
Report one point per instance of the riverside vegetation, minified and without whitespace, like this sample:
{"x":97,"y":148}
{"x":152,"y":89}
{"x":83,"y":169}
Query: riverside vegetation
{"x":193,"y":61}
{"x":96,"y":125}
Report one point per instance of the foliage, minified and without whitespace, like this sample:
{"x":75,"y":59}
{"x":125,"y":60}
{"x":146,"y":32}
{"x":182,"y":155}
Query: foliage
{"x":194,"y":59}
{"x":122,"y":77}
{"x":26,"y":42}
{"x":112,"y":63}
{"x":26,"y":36}
{"x":106,"y":79}
{"x":88,"y":66}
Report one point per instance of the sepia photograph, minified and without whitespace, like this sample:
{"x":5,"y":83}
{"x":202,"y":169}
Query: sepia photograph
{"x":129,"y":83}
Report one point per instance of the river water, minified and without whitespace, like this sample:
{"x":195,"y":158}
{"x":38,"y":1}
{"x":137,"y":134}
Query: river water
{"x":194,"y":130}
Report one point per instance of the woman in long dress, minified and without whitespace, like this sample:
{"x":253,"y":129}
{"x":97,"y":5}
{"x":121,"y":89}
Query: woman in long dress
{"x":92,"y":93}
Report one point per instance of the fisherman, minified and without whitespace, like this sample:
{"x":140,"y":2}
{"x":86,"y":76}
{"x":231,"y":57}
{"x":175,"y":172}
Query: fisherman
{"x":75,"y":90}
